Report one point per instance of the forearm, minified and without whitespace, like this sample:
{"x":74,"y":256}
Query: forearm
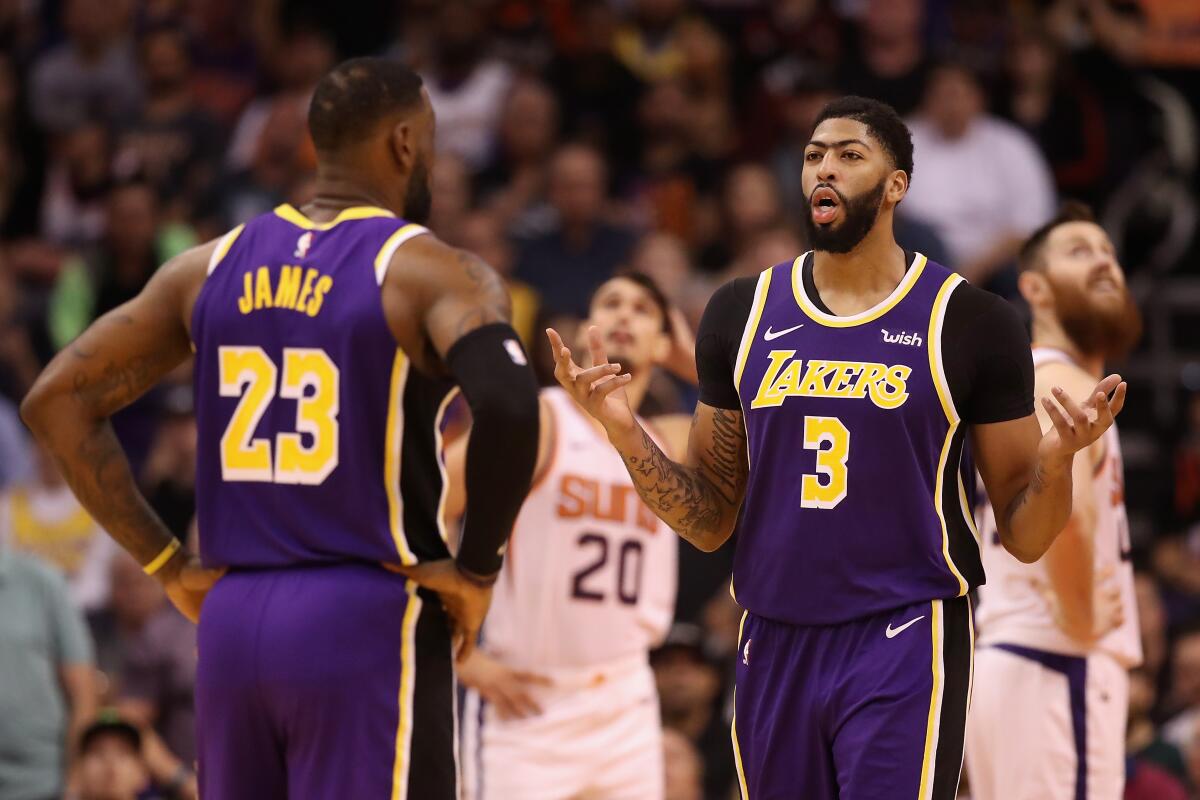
{"x":1038,"y":512}
{"x":98,"y":472}
{"x":683,"y":497}
{"x":1070,"y":566}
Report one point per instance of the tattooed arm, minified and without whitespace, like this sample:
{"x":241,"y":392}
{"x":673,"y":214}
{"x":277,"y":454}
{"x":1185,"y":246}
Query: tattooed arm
{"x":110,"y":365}
{"x":700,"y":497}
{"x":1028,"y":474}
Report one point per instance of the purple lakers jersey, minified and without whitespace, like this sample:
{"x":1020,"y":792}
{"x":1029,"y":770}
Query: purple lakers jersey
{"x":317,"y":442}
{"x":856,"y":501}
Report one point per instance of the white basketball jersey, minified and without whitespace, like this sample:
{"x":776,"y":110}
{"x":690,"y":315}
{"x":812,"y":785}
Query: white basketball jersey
{"x":590,"y":573}
{"x":1012,"y":608}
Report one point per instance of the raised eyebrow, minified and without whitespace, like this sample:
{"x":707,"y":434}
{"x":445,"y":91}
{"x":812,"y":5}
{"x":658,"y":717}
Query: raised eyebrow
{"x":839,"y":143}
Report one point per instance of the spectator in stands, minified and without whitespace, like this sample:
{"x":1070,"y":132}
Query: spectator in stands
{"x":466,"y":86}
{"x":148,"y":651}
{"x":1144,"y":742}
{"x":41,"y":516}
{"x":482,"y":234}
{"x":77,"y":182}
{"x":47,"y":681}
{"x":582,"y":250}
{"x":110,"y":762}
{"x":22,"y":155}
{"x":450,"y":188}
{"x":168,"y":477}
{"x":301,"y":59}
{"x":978,"y":181}
{"x":595,"y":89}
{"x":174,"y":144}
{"x":93,"y":73}
{"x":513,"y":185}
{"x":750,"y":204}
{"x":1061,"y":113}
{"x":648,"y":43}
{"x":689,"y":690}
{"x":18,"y":362}
{"x":1183,"y":700}
{"x":684,"y":771}
{"x":1176,"y":554}
{"x":887,"y":58}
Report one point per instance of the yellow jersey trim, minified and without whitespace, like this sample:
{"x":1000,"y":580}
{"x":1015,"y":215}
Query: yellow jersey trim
{"x":391,"y":457}
{"x":935,"y":706}
{"x":289,"y":213}
{"x":737,"y":750}
{"x":408,"y":670}
{"x":938,"y":374}
{"x":384,"y":258}
{"x":911,"y":275}
{"x":751,"y":330}
{"x":222,"y":248}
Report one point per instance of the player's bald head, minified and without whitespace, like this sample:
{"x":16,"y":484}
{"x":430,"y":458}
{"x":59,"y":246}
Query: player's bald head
{"x":356,"y":96}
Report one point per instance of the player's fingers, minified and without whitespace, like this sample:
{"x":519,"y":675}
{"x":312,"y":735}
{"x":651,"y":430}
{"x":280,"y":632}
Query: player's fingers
{"x":1060,"y":422}
{"x":1109,"y":383}
{"x":1104,"y":416}
{"x":604,"y":388}
{"x":525,"y":705}
{"x":1118,"y":399}
{"x":586,"y":377}
{"x":198,"y":579}
{"x":532,"y":678}
{"x":564,"y":367}
{"x":1079,"y":417}
{"x":596,"y":345}
{"x":466,"y":644}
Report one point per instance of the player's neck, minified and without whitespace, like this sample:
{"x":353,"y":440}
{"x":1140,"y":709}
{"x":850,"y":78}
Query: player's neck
{"x":1047,"y":332}
{"x":872,"y":269}
{"x":338,"y":188}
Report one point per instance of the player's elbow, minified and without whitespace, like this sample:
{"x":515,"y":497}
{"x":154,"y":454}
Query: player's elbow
{"x":35,"y":407}
{"x":1024,"y":552}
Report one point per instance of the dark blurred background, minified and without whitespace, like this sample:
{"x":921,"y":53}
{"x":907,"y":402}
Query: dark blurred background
{"x":575,"y":138}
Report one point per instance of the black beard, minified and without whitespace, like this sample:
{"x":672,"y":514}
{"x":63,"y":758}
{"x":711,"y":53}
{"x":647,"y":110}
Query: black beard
{"x":418,"y":200}
{"x":859,"y":215}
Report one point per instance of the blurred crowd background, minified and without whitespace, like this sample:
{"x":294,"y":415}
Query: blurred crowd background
{"x":575,"y":138}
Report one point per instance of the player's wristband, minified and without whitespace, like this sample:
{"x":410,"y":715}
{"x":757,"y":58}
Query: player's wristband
{"x":163,"y":557}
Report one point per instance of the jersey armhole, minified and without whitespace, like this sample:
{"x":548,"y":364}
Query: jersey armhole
{"x":552,"y":432}
{"x":383,"y":258}
{"x":222,"y":249}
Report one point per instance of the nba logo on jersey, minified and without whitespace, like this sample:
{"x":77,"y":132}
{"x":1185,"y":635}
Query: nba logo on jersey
{"x":302,"y":244}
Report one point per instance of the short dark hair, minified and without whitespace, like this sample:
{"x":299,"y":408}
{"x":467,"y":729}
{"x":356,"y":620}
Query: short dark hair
{"x":652,"y":288}
{"x":353,"y":97}
{"x":883,"y":123}
{"x":1030,"y":253}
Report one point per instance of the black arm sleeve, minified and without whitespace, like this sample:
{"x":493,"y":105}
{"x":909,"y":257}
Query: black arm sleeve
{"x":717,"y":342}
{"x":493,"y":371}
{"x":988,"y":361}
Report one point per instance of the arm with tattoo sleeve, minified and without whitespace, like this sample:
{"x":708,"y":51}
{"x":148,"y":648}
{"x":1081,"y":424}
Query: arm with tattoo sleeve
{"x":116,"y":360}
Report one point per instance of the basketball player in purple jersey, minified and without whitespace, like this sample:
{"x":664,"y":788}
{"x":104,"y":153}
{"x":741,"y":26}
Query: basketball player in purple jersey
{"x":328,"y":341}
{"x":842,"y":397}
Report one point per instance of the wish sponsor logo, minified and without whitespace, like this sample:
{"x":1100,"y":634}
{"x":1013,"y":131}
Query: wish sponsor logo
{"x":903,"y":337}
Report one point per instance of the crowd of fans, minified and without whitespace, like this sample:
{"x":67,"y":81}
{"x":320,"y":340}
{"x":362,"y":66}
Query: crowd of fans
{"x":575,"y":139}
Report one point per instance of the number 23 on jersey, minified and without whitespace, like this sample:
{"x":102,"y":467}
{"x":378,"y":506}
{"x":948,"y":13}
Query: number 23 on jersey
{"x":311,"y":379}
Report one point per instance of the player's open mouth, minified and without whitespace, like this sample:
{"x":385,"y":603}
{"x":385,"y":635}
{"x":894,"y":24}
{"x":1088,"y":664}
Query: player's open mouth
{"x":620,"y":338}
{"x":825,"y":204}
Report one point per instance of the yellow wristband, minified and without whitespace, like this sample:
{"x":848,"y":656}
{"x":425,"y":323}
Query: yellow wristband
{"x":163,"y":557}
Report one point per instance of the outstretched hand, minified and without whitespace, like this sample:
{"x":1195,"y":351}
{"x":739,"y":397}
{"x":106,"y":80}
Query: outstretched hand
{"x":600,"y":389}
{"x":1077,"y":425}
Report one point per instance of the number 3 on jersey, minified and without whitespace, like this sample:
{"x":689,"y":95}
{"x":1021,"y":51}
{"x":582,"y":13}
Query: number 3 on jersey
{"x":829,"y":437}
{"x":311,"y":379}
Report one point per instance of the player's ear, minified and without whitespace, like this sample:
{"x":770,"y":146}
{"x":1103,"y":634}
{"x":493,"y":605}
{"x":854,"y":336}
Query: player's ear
{"x":897,"y":186}
{"x":1034,"y":288}
{"x":403,"y":143}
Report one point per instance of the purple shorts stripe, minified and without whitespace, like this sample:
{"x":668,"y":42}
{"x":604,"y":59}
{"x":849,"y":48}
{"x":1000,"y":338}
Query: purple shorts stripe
{"x":1074,"y":668}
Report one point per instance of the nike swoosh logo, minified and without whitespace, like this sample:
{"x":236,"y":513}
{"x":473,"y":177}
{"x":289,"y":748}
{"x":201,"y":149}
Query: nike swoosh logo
{"x":893,"y":632}
{"x":771,"y":335}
